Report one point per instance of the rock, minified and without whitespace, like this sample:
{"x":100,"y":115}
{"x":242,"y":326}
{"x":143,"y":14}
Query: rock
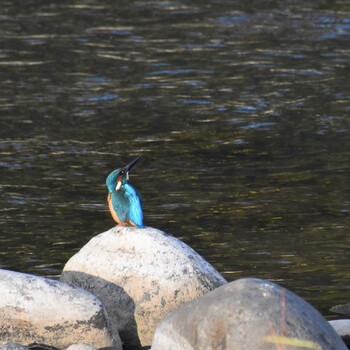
{"x":13,"y":346}
{"x":342,"y":327}
{"x":140,"y":275}
{"x":87,"y":347}
{"x":80,"y":347}
{"x":248,"y":314}
{"x":40,"y":310}
{"x":343,"y":309}
{"x":36,"y":346}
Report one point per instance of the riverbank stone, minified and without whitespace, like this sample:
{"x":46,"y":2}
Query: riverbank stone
{"x":248,"y":314}
{"x":342,"y":327}
{"x":13,"y":346}
{"x":80,"y":347}
{"x":343,"y":309}
{"x":39,"y":310}
{"x":140,"y":275}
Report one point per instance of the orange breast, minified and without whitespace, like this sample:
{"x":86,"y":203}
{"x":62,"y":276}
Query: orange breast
{"x":111,"y":209}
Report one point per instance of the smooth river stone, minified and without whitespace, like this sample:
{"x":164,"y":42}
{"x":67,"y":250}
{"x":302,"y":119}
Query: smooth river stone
{"x":140,"y":275}
{"x":34,"y":309}
{"x":248,"y":314}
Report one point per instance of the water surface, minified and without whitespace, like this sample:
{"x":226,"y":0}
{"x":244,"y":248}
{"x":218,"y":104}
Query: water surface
{"x":240,"y":112}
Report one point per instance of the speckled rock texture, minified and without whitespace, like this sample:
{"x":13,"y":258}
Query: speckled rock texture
{"x":80,"y":347}
{"x":34,"y":309}
{"x":140,"y":275}
{"x":343,"y":309}
{"x":13,"y":346}
{"x":342,"y":327}
{"x":248,"y":314}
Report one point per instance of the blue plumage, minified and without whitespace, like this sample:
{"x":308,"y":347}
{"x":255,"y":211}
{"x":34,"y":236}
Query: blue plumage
{"x":123,"y":199}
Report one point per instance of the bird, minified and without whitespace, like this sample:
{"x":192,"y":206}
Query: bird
{"x":123,"y":199}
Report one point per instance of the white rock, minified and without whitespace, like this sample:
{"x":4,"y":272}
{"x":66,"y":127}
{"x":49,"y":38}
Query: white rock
{"x":247,"y":314}
{"x":342,"y":327}
{"x":13,"y":346}
{"x":40,"y":310}
{"x":80,"y":347}
{"x":140,"y":275}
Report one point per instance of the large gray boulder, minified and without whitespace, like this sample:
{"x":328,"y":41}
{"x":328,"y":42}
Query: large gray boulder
{"x":140,"y":275}
{"x":248,"y":314}
{"x":40,"y":310}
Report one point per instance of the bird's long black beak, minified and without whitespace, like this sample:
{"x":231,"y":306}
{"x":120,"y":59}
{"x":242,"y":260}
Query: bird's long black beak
{"x":130,"y":165}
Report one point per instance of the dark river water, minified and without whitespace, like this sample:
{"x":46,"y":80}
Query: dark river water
{"x":240,"y":110}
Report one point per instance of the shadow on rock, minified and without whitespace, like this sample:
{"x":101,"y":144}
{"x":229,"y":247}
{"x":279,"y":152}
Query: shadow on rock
{"x":140,"y":275}
{"x":119,"y":306}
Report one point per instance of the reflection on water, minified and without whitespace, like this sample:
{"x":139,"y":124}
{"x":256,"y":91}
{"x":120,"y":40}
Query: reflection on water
{"x":239,"y":110}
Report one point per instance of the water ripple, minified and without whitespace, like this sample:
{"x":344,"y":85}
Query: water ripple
{"x":239,"y":109}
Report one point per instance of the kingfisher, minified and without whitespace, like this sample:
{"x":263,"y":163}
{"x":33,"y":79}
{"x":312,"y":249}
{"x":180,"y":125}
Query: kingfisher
{"x":123,"y":199}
